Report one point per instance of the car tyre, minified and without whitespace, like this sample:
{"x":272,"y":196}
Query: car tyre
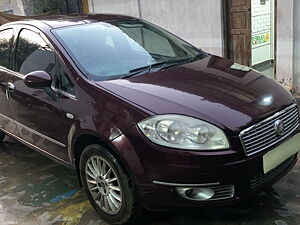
{"x":109,"y":189}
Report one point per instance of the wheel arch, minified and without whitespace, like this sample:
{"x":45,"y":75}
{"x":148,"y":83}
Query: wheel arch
{"x":88,"y":138}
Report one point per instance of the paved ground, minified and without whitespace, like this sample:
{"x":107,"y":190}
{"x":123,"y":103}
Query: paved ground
{"x":36,"y":190}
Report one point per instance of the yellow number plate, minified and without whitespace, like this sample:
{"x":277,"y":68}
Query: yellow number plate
{"x":281,"y":153}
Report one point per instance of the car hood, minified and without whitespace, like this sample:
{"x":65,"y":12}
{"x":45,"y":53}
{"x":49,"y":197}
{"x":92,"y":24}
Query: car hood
{"x":214,"y":89}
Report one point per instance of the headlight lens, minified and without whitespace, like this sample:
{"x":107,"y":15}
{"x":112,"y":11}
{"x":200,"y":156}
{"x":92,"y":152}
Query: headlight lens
{"x":183,"y":132}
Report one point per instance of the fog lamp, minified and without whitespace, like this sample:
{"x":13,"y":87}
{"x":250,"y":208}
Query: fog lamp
{"x":196,"y":194}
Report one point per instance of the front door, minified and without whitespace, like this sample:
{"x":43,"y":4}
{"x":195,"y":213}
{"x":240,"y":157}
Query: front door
{"x":37,"y":112}
{"x":6,"y":120}
{"x":239,"y":31}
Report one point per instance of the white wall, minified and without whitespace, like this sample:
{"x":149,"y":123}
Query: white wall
{"x":197,"y":21}
{"x":15,"y":5}
{"x":262,"y":25}
{"x":128,"y":7}
{"x":297,"y":46}
{"x":285,"y":42}
{"x":5,"y":5}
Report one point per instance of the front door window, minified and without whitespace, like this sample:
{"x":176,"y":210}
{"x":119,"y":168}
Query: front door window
{"x":33,"y":54}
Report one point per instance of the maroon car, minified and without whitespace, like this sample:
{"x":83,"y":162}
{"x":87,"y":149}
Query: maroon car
{"x":146,"y":119}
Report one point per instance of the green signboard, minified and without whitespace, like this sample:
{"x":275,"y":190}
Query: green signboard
{"x":261,"y":39}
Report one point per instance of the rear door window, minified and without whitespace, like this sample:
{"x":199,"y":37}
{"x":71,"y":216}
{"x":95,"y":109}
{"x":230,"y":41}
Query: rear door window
{"x":5,"y":47}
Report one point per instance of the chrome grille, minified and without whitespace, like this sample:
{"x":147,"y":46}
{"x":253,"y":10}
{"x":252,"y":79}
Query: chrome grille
{"x":262,"y":135}
{"x":262,"y":179}
{"x":223,"y":192}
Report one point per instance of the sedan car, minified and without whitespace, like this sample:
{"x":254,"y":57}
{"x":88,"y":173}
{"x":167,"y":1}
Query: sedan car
{"x":146,"y":119}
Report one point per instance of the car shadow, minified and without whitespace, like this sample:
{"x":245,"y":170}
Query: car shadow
{"x":257,"y":210}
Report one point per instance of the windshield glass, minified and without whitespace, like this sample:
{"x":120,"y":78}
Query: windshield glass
{"x":110,"y":50}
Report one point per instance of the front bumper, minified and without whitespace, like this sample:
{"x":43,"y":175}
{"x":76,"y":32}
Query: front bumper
{"x":158,"y":171}
{"x":243,"y":188}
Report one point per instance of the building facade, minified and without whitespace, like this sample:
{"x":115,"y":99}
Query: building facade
{"x":33,"y":7}
{"x":12,"y":7}
{"x":264,"y":34}
{"x":272,"y":26}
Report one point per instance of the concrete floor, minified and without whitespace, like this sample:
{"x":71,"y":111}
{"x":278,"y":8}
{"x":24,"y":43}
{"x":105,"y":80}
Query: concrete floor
{"x":267,"y":69}
{"x":36,"y":190}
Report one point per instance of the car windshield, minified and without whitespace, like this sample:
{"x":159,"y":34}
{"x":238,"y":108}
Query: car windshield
{"x":111,"y":50}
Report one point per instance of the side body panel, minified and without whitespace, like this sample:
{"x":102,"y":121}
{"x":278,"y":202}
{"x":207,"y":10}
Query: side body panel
{"x":6,"y":120}
{"x":37,"y":114}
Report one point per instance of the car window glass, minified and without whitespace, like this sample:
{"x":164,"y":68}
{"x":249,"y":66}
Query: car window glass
{"x":105,"y":50}
{"x":64,"y":81}
{"x":5,"y":38}
{"x":109,"y":42}
{"x":146,"y":39}
{"x":33,"y":54}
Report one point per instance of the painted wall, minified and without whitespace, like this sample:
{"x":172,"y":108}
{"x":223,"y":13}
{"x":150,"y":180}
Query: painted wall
{"x":5,"y":5}
{"x":33,"y":7}
{"x":197,"y":21}
{"x":15,"y":5}
{"x":285,"y":42}
{"x":297,"y":46}
{"x":128,"y":7}
{"x":262,"y":31}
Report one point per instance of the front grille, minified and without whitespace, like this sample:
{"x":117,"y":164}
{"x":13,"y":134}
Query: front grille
{"x":223,"y":192}
{"x":262,"y":135}
{"x":262,"y":179}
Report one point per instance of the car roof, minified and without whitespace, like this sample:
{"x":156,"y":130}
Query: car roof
{"x":58,"y":21}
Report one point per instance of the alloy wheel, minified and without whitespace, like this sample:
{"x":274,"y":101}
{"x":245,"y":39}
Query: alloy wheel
{"x":104,"y":184}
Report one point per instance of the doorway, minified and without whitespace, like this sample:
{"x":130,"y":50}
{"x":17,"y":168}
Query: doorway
{"x":263,"y":36}
{"x":251,"y":34}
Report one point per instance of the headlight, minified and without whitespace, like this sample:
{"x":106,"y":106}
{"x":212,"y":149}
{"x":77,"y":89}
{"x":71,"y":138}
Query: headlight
{"x":183,"y":132}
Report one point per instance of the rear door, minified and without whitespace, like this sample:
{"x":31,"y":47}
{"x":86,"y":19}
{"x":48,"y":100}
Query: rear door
{"x":6,"y":119}
{"x":37,"y":112}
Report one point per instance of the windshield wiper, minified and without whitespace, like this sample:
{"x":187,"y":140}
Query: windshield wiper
{"x":143,"y":70}
{"x":176,"y":62}
{"x":201,"y":55}
{"x":164,"y":65}
{"x":158,"y":65}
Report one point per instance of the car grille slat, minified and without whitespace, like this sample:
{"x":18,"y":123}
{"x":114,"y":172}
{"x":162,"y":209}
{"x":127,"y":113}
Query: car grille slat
{"x":270,"y":123}
{"x":258,"y":181}
{"x":263,"y":145}
{"x":262,"y":135}
{"x":294,"y":125}
{"x":256,"y":133}
{"x":259,"y":138}
{"x":253,"y":134}
{"x":290,"y":122}
{"x":223,"y":192}
{"x":288,"y":113}
{"x":257,"y":147}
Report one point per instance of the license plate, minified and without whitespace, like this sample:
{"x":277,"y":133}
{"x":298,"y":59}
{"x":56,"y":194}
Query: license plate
{"x":281,"y":153}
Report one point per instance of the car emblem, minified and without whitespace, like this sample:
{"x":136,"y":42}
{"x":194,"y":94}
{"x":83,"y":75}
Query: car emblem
{"x":279,"y":127}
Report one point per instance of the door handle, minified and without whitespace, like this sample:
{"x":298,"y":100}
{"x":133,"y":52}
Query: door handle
{"x":10,"y":87}
{"x":70,"y":116}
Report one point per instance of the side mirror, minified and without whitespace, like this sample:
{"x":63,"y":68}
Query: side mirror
{"x":38,"y":79}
